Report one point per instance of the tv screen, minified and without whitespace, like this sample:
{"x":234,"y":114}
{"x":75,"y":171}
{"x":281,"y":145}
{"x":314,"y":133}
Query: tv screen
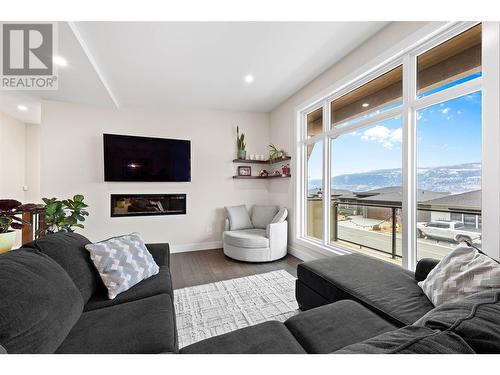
{"x":129,"y":158}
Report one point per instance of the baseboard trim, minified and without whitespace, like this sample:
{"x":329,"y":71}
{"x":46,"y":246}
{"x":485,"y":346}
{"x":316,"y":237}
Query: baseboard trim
{"x":302,"y":254}
{"x":184,"y":248}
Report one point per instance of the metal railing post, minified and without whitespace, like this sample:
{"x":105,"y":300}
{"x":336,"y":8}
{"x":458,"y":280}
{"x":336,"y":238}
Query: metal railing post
{"x":335,"y":222}
{"x":393,"y":233}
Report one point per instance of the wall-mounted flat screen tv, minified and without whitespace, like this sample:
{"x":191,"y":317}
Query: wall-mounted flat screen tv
{"x":129,"y":158}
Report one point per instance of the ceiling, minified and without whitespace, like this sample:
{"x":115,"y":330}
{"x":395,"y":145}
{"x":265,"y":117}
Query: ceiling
{"x":196,"y":64}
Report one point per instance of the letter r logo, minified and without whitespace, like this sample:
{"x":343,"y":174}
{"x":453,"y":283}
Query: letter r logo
{"x":27,"y":49}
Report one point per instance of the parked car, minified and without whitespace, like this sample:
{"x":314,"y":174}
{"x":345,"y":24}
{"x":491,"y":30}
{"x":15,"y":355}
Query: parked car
{"x":448,"y":230}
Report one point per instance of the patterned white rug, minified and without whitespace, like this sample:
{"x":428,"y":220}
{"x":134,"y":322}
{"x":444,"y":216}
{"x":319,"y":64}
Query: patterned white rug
{"x":212,"y":309}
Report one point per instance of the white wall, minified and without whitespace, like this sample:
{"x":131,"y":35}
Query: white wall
{"x":72,"y":162}
{"x":12,"y":160}
{"x":32,"y":163}
{"x":282,"y":118}
{"x":12,"y":157}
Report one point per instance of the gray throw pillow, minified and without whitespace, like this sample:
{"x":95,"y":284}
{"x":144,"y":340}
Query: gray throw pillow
{"x":2,"y":350}
{"x":262,"y":216}
{"x":280,"y":216}
{"x":238,"y":218}
{"x":463,"y":272}
{"x":122,"y":262}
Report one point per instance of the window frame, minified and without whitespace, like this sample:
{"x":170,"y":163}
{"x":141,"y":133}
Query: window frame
{"x":407,"y":57}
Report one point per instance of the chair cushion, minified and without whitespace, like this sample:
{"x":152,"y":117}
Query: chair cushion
{"x":122,"y":262}
{"x":68,"y":249}
{"x":263,"y":215}
{"x":387,"y":289}
{"x":250,"y":238}
{"x":39,"y":303}
{"x":238,"y":218}
{"x":329,"y":328}
{"x":266,"y":338}
{"x":280,"y":216}
{"x":411,"y":340}
{"x":143,"y":326}
{"x":462,"y":272}
{"x":475,"y":318}
{"x":157,"y":284}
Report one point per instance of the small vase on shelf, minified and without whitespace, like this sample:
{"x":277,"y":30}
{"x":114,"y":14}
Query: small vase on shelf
{"x":242,"y":154}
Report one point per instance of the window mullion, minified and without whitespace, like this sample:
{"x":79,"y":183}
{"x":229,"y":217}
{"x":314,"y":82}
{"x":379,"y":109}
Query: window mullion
{"x":326,"y":175}
{"x":409,"y":172}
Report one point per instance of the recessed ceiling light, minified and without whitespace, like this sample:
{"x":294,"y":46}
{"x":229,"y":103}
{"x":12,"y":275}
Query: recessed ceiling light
{"x":364,"y":105}
{"x":60,"y":61}
{"x":22,"y":107}
{"x":249,"y":78}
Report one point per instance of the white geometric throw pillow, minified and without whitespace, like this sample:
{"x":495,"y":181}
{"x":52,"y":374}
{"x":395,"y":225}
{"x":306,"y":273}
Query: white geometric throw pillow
{"x":463,"y":272}
{"x":122,"y":262}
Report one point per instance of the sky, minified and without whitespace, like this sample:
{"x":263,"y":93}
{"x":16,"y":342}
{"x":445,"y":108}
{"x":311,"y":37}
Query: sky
{"x":447,"y":134}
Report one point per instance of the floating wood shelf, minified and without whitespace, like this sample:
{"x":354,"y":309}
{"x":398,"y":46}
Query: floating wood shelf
{"x":248,"y":161}
{"x":259,"y":177}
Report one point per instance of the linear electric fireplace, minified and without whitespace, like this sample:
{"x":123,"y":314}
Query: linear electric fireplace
{"x":147,"y":204}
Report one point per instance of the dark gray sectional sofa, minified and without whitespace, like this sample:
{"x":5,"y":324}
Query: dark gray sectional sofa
{"x":357,"y":304}
{"x":53,"y":301}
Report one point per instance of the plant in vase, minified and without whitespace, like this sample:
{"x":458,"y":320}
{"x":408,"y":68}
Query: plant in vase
{"x":240,"y":142}
{"x":64,"y":215}
{"x":275,"y":153}
{"x":10,"y":209}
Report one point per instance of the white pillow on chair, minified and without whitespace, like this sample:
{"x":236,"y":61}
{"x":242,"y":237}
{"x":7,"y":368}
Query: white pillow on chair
{"x":238,"y":217}
{"x":280,"y":216}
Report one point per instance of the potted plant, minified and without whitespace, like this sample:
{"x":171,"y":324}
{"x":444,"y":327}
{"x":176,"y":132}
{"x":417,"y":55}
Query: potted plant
{"x":9,"y":221}
{"x":275,"y":153}
{"x":64,"y":215}
{"x":240,"y":142}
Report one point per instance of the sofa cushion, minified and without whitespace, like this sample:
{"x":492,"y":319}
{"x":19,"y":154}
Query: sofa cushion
{"x":39,"y":303}
{"x":475,"y":318}
{"x":249,"y":238}
{"x":462,"y":272}
{"x":263,"y":215}
{"x":238,"y":217}
{"x":266,"y":338}
{"x":3,"y":350}
{"x":68,"y":249}
{"x":143,"y":326}
{"x":384,"y":288}
{"x":411,"y":340}
{"x":160,"y":253}
{"x":329,"y":328}
{"x":157,"y":284}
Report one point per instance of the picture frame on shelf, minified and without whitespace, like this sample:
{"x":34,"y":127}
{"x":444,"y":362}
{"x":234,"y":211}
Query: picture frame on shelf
{"x":244,"y":171}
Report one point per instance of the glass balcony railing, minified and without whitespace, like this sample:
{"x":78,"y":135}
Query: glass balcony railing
{"x":376,"y":229}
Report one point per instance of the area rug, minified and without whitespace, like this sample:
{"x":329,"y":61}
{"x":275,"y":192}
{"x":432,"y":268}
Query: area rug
{"x":208,"y":310}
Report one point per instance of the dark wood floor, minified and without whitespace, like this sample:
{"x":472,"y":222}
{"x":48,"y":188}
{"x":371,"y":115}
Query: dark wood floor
{"x":208,"y":266}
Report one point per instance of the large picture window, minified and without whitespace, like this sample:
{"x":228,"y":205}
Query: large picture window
{"x":402,"y":147}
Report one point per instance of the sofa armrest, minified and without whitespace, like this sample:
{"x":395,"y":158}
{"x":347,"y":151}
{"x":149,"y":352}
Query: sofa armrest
{"x":226,"y":224}
{"x":424,"y":266}
{"x":160,"y":253}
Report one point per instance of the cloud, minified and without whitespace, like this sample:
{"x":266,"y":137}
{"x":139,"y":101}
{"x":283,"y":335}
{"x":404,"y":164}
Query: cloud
{"x":381,"y":134}
{"x":444,"y":111}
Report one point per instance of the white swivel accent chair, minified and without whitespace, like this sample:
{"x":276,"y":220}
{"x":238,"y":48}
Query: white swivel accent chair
{"x":260,"y":238}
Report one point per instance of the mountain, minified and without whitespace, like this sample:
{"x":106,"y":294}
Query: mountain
{"x":453,"y":179}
